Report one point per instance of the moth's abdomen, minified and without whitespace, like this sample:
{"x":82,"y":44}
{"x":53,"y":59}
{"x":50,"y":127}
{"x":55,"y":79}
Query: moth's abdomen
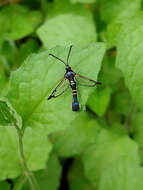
{"x":75,"y":106}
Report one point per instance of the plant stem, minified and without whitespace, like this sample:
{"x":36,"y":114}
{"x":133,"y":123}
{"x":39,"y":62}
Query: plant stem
{"x":20,"y":183}
{"x":5,"y":64}
{"x":27,"y":173}
{"x":43,"y":8}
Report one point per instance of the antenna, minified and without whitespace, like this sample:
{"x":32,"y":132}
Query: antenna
{"x":58,"y":58}
{"x":66,"y":64}
{"x":69,"y":53}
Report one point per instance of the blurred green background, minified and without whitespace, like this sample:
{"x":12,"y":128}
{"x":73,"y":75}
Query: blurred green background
{"x":101,"y":146}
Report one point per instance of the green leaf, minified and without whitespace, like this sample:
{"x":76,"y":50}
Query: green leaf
{"x":114,"y":27}
{"x":66,"y":28}
{"x":8,"y":116}
{"x":113,"y":162}
{"x":34,"y":81}
{"x":137,"y":122}
{"x":9,"y":159}
{"x":12,"y":57}
{"x":27,"y":48}
{"x":18,"y":21}
{"x":113,"y":30}
{"x":76,"y":138}
{"x":109,"y":75}
{"x":122,"y":102}
{"x":76,"y":177}
{"x":99,"y":100}
{"x":129,"y":58}
{"x":4,"y":185}
{"x":36,"y":149}
{"x":111,"y":9}
{"x":65,"y":7}
{"x":36,"y":155}
{"x":9,"y":53}
{"x":48,"y":178}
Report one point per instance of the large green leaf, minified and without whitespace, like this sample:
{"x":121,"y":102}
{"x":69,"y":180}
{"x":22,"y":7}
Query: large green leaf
{"x":111,"y":9}
{"x":36,"y":155}
{"x":113,"y":162}
{"x":129,"y":58}
{"x":33,"y":82}
{"x":114,"y":27}
{"x":67,"y":24}
{"x":17,"y":21}
{"x":48,"y":178}
{"x":75,"y":139}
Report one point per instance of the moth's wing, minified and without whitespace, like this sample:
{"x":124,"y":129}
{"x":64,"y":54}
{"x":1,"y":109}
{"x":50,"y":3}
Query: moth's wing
{"x":85,"y":81}
{"x":60,"y":88}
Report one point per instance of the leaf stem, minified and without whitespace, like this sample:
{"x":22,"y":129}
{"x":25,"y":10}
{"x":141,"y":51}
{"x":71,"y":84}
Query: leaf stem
{"x":27,"y":173}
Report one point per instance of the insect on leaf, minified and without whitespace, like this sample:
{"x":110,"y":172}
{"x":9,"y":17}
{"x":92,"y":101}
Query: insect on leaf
{"x":62,"y":86}
{"x":84,"y":81}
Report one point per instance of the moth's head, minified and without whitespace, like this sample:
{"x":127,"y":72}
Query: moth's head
{"x":68,"y":68}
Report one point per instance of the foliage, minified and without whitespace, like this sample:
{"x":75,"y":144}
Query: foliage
{"x":101,"y":146}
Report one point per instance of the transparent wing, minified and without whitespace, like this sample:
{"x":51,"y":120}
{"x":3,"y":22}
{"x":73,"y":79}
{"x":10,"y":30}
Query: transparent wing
{"x":85,"y":81}
{"x":60,"y":89}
